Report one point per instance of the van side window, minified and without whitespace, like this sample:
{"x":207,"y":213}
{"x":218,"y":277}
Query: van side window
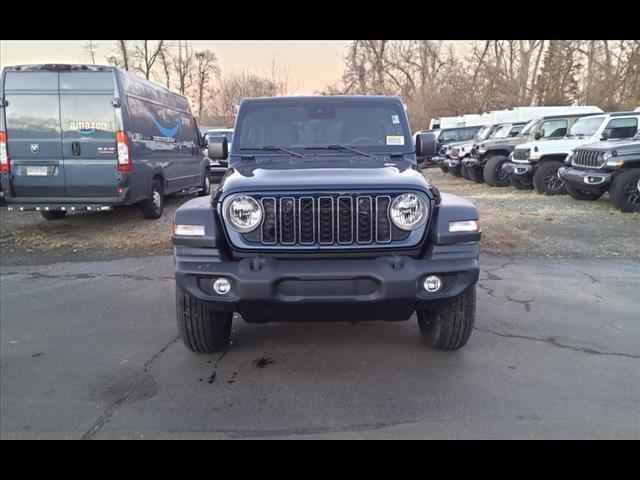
{"x":622,"y":127}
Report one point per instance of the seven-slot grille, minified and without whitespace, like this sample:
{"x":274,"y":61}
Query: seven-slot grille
{"x":325,"y":220}
{"x":521,"y":154}
{"x":588,"y":158}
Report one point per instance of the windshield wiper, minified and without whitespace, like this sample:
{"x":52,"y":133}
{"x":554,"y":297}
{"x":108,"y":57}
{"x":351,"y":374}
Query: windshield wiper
{"x":341,"y":147}
{"x":275,"y":148}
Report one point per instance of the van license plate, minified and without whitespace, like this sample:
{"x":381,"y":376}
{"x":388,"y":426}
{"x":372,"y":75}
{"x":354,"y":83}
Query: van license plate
{"x":38,"y":171}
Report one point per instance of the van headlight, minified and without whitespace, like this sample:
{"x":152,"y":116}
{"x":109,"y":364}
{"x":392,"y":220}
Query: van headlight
{"x":408,"y":211}
{"x":243,"y":213}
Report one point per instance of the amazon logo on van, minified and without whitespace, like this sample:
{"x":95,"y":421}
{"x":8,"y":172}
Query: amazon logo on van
{"x":88,"y":128}
{"x":169,"y":132}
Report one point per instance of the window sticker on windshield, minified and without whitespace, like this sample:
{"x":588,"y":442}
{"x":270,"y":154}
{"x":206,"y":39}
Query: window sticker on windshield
{"x":395,"y":119}
{"x":395,"y":139}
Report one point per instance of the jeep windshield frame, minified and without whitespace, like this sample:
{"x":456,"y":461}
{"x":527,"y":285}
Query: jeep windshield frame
{"x":316,"y":125}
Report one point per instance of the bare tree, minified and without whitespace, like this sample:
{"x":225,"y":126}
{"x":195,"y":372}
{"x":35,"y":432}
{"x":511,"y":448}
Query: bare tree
{"x":90,"y":48}
{"x":206,"y":65}
{"x":165,"y":62}
{"x":236,"y":86}
{"x":145,"y":54}
{"x":121,"y":57}
{"x":183,"y":66}
{"x":279,"y":75}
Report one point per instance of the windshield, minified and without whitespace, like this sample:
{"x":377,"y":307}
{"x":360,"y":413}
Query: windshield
{"x":586,"y":127}
{"x":528,"y":128}
{"x":374,"y":126}
{"x":502,"y":132}
{"x":481,"y":135}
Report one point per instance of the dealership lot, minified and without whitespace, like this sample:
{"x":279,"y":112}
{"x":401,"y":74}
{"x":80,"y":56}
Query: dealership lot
{"x":89,"y":350}
{"x":89,"y":344}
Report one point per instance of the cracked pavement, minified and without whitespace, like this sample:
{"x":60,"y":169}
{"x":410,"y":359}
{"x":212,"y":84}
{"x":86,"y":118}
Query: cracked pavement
{"x":89,"y":350}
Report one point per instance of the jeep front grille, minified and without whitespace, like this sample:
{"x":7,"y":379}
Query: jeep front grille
{"x":588,"y":158}
{"x":521,"y":154}
{"x":346,"y":219}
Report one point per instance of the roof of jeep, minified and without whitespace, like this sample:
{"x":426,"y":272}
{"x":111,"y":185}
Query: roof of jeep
{"x":321,"y":98}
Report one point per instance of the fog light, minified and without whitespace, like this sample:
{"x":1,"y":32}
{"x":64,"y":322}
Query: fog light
{"x":221,"y":286}
{"x":432,"y":284}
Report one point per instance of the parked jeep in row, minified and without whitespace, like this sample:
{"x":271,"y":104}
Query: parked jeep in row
{"x":611,"y":166}
{"x":538,"y":162}
{"x":487,"y":158}
{"x":445,"y":137}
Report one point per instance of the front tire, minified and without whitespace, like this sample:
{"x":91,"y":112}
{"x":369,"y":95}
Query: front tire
{"x":449,"y":326}
{"x":475,"y":175}
{"x":625,"y":191}
{"x":494,"y":175}
{"x":455,"y":171}
{"x":546,"y":180}
{"x":153,"y":206}
{"x":54,"y":214}
{"x":444,"y":168}
{"x":464,"y":171}
{"x":579,"y":194}
{"x":201,"y":329}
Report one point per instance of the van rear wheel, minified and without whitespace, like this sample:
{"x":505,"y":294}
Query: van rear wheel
{"x":153,"y":206}
{"x":54,"y":215}
{"x":206,"y":185}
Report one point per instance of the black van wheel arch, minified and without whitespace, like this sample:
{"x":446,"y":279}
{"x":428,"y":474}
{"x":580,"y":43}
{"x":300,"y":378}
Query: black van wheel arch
{"x":546,"y":180}
{"x":625,"y":190}
{"x":202,"y":330}
{"x":153,"y":206}
{"x":449,"y":326}
{"x":493,"y":173}
{"x":54,"y":214}
{"x":580,"y":194}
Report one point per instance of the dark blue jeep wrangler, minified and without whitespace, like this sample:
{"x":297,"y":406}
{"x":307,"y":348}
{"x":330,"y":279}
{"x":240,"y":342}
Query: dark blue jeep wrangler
{"x":324,"y":215}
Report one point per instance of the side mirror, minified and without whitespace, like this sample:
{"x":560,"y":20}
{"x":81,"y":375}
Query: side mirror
{"x":605,"y":136}
{"x":539,"y":134}
{"x":426,"y":145}
{"x":218,"y":148}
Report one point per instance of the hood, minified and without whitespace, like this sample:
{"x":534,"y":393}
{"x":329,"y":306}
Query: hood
{"x":493,"y":142}
{"x":625,"y":146}
{"x":551,"y":146}
{"x":305,"y":174}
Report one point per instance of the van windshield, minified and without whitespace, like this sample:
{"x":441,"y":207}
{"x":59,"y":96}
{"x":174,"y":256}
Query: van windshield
{"x":585,"y":127}
{"x":307,"y":125}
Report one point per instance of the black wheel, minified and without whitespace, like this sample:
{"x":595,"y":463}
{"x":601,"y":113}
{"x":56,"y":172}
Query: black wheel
{"x":202,"y":330}
{"x":54,"y":214}
{"x":546,"y":180}
{"x":625,"y":191}
{"x":444,"y":168}
{"x":449,"y":326}
{"x":494,"y":175}
{"x":520,"y":185}
{"x":153,"y":206}
{"x":206,"y":185}
{"x":581,"y":194}
{"x":455,"y":171}
{"x":476,"y":175}
{"x":464,"y":171}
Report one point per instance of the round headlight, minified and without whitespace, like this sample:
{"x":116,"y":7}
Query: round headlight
{"x":408,"y":211}
{"x":243,"y":213}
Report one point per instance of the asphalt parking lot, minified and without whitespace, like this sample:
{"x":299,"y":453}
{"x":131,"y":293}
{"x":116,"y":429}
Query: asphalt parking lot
{"x":89,"y":348}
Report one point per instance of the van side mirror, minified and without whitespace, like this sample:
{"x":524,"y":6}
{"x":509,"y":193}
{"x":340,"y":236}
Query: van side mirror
{"x":426,"y":145}
{"x":539,"y":134}
{"x":605,"y":136}
{"x":218,"y":148}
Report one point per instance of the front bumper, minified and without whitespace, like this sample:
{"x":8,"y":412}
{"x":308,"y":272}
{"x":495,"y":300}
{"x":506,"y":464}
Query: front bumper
{"x":270,"y":289}
{"x":589,"y":177}
{"x":518,"y":169}
{"x":451,"y":162}
{"x":470,"y":162}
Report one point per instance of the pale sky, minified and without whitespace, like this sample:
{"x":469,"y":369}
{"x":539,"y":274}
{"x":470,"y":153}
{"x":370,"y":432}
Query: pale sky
{"x":312,"y":64}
